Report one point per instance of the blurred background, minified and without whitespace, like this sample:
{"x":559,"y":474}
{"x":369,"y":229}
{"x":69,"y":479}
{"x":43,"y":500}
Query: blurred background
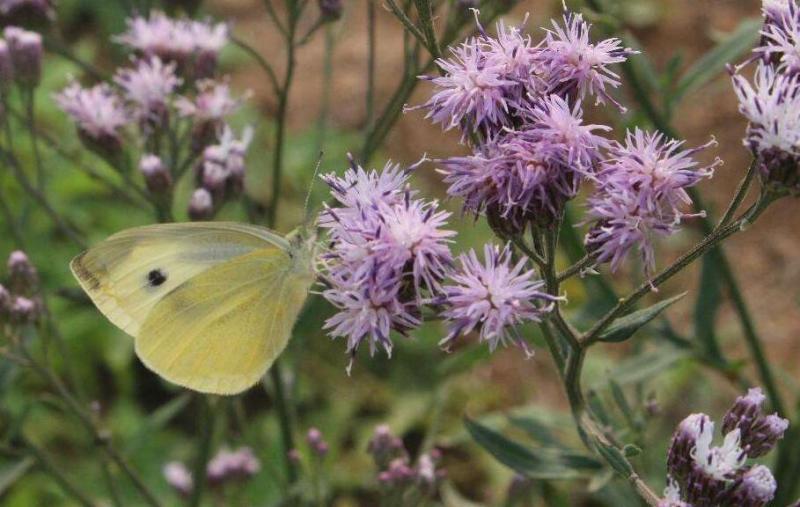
{"x":421,"y":392}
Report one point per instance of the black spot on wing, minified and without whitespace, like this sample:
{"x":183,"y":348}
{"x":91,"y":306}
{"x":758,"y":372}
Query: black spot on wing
{"x":156,"y":277}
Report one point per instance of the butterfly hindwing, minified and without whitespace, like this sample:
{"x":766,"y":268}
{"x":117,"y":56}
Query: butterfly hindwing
{"x":220,"y":331}
{"x":130,"y":272}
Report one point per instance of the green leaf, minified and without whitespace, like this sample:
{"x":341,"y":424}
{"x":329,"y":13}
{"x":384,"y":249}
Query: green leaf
{"x":708,"y":302}
{"x":12,"y":473}
{"x":625,"y":327}
{"x":158,"y":420}
{"x":622,"y":403}
{"x":537,"y":463}
{"x":646,"y":366}
{"x":535,"y":429}
{"x":713,"y":62}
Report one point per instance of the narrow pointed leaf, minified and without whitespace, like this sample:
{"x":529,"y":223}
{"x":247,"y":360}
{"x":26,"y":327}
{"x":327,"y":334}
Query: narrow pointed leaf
{"x":537,"y":463}
{"x":713,"y":62}
{"x":709,"y":298}
{"x":625,"y":327}
{"x":12,"y":473}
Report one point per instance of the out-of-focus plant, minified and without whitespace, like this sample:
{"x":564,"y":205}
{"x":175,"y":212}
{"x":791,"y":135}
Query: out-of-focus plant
{"x":160,"y":128}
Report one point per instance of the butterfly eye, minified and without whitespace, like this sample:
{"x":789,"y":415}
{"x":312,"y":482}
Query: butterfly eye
{"x":156,"y":277}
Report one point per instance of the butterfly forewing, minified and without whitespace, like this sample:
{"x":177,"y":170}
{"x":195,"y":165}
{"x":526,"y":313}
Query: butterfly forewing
{"x":130,"y":272}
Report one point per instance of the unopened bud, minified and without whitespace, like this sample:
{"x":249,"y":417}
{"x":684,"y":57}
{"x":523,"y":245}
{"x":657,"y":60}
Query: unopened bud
{"x":179,"y":477}
{"x":684,"y":440}
{"x":22,"y":274}
{"x":384,"y":446}
{"x":331,"y":10}
{"x":231,"y":465}
{"x":759,"y":433}
{"x":23,"y":310}
{"x":156,"y":175}
{"x":26,"y":55}
{"x":201,"y":205}
{"x":755,"y":489}
{"x":27,"y":12}
{"x":316,"y":442}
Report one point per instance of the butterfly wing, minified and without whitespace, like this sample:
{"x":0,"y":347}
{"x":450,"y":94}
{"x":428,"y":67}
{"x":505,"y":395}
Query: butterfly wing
{"x":130,"y":272}
{"x":221,"y":330}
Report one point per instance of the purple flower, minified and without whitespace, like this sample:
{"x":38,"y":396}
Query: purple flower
{"x":223,"y":164}
{"x":201,"y":205}
{"x":772,"y":106}
{"x":229,"y":465}
{"x":37,"y":8}
{"x":756,"y":489}
{"x":574,"y":66}
{"x":211,"y":105}
{"x":26,"y":55}
{"x":316,"y":442}
{"x":179,"y":477}
{"x":174,"y":39}
{"x":672,"y":496}
{"x":759,"y":432}
{"x":474,"y":93}
{"x":412,"y":236}
{"x":514,"y":179}
{"x":684,"y":440}
{"x":780,"y":38}
{"x":388,"y":254}
{"x":552,"y":121}
{"x":156,"y":175}
{"x":640,"y":192}
{"x":97,"y":111}
{"x":493,"y":297}
{"x":149,"y":86}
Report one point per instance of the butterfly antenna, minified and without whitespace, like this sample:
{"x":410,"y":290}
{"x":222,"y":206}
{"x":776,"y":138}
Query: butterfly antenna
{"x":307,"y":211}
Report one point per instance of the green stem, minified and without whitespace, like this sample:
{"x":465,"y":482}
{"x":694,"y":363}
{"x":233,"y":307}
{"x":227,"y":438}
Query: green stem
{"x":748,"y":327}
{"x":51,"y":469}
{"x":371,"y":47}
{"x":575,"y":268}
{"x":30,"y":121}
{"x":696,"y":252}
{"x":738,"y":197}
{"x":206,"y":435}
{"x":100,"y":438}
{"x":284,"y":419}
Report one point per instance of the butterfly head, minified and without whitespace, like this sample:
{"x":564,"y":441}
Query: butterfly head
{"x":303,"y":248}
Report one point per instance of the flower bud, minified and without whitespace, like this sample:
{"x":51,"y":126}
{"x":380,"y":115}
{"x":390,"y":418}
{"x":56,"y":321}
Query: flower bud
{"x":27,"y":12}
{"x":756,"y":489}
{"x":26,"y":55}
{"x":201,"y":205}
{"x":179,"y":477}
{"x":316,"y":442}
{"x":22,"y":274}
{"x":384,"y":446}
{"x":759,"y":433}
{"x":6,"y":67}
{"x":762,"y":436}
{"x":679,"y":459}
{"x":23,"y":310}
{"x":746,"y":410}
{"x":330,"y":10}
{"x":230,"y":465}
{"x":156,"y":175}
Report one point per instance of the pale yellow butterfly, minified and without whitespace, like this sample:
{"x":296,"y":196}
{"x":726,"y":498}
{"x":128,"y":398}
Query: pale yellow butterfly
{"x":210,"y":305}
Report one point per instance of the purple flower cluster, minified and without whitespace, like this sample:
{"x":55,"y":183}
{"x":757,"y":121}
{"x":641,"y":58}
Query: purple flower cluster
{"x":703,"y":475}
{"x":168,"y":86}
{"x":771,"y":102}
{"x":224,"y":468}
{"x":20,"y":302}
{"x":528,"y":174}
{"x":194,"y":45}
{"x":490,"y":83}
{"x":533,"y":151}
{"x":396,"y":474}
{"x":493,"y":296}
{"x":640,"y":192}
{"x":389,"y":253}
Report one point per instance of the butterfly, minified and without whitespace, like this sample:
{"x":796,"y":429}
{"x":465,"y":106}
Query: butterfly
{"x":210,"y":305}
